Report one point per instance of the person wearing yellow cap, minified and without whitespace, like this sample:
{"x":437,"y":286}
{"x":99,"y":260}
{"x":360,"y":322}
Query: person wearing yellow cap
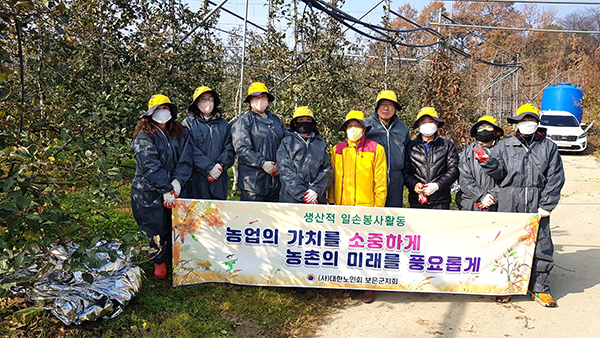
{"x":530,"y":176}
{"x":163,"y":164}
{"x":304,"y":166}
{"x":431,"y":164}
{"x":360,"y":171}
{"x":256,"y":137}
{"x":477,"y":189}
{"x":389,"y":131}
{"x":210,"y":136}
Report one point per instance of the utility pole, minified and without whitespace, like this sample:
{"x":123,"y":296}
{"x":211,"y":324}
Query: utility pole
{"x":241,"y":88}
{"x":387,"y":25}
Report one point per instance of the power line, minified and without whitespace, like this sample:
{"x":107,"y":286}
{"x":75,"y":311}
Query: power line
{"x":513,"y":28}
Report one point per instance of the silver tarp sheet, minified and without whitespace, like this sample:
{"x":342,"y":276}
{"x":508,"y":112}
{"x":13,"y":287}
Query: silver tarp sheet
{"x":69,"y":297}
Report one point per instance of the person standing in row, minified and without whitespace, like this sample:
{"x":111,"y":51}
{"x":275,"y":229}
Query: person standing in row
{"x":256,"y":138}
{"x":477,"y":189}
{"x":304,"y":166}
{"x":530,"y":176}
{"x":163,"y":164}
{"x":431,"y":164}
{"x":212,"y":148}
{"x":389,"y":131}
{"x":360,"y":171}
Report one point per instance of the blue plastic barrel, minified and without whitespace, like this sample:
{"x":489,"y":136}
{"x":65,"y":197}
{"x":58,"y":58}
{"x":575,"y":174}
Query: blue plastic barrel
{"x":564,"y":96}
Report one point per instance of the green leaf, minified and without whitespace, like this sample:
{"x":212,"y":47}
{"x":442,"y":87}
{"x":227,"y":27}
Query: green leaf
{"x":19,"y":259}
{"x":8,"y":183}
{"x":64,"y":134}
{"x":87,"y":277}
{"x":512,"y":253}
{"x":33,"y":249}
{"x":195,"y":238}
{"x":13,"y":225}
{"x":73,"y":228}
{"x":23,"y":202}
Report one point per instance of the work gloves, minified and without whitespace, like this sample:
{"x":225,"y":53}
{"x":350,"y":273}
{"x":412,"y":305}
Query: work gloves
{"x":543,"y":213}
{"x":486,"y":201}
{"x":480,"y":154}
{"x":169,"y":199}
{"x":422,"y":198}
{"x":430,"y":188}
{"x":270,"y":168}
{"x":310,"y":196}
{"x":176,"y":187}
{"x":215,"y":173}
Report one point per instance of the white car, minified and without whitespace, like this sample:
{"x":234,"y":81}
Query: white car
{"x":564,"y":130}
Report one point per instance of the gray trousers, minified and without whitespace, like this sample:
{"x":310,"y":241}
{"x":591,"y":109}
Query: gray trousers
{"x":542,"y":259}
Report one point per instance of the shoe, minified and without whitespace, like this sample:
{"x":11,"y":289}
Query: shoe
{"x":543,"y":298}
{"x":368,"y":296}
{"x":502,"y":299}
{"x":160,"y":270}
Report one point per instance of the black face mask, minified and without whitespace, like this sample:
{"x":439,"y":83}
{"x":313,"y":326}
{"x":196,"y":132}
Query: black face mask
{"x":305,"y":127}
{"x":486,"y":136}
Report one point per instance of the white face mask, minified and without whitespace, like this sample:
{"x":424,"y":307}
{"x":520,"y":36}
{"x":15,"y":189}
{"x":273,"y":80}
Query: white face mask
{"x":354,"y":133}
{"x":527,"y":127}
{"x":206,"y":107}
{"x":259,"y":105}
{"x":161,"y":116}
{"x":428,"y":129}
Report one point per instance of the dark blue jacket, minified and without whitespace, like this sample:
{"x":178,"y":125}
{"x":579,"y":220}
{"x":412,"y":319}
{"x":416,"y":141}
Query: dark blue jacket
{"x":474,"y":182}
{"x":303,"y":164}
{"x":158,"y":162}
{"x":211,"y":144}
{"x":529,"y":177}
{"x":256,"y":140}
{"x":394,"y":140}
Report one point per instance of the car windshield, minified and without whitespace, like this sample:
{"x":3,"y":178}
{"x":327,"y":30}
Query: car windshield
{"x":560,"y":121}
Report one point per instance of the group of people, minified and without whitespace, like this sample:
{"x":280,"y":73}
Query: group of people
{"x":522,"y":173}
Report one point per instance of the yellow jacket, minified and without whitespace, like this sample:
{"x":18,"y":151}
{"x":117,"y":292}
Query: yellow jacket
{"x":360,"y":171}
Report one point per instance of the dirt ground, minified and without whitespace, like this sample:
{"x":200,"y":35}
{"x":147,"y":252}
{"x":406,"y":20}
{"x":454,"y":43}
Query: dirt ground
{"x":575,"y":283}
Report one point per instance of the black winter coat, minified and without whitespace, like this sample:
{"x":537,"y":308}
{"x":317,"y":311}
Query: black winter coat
{"x":439,"y":165}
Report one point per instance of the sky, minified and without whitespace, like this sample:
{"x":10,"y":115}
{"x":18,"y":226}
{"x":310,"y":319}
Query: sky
{"x":257,"y":11}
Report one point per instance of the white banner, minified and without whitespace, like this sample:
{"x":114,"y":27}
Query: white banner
{"x":394,"y":249}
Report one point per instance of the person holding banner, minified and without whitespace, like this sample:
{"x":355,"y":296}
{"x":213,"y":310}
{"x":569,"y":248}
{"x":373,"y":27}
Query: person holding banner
{"x":360,"y":171}
{"x":476,"y":187}
{"x":530,"y":173}
{"x":163,"y":164}
{"x":256,"y":137}
{"x":431,"y":164}
{"x":210,"y":138}
{"x":389,"y":131}
{"x":303,"y":163}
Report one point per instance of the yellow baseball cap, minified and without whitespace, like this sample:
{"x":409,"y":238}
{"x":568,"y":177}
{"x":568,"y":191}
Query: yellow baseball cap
{"x":303,"y":111}
{"x":387,"y":95}
{"x":201,"y":90}
{"x":431,"y":112}
{"x":355,"y":115}
{"x":158,"y":100}
{"x":256,"y":89}
{"x":527,"y":109}
{"x":486,"y":119}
